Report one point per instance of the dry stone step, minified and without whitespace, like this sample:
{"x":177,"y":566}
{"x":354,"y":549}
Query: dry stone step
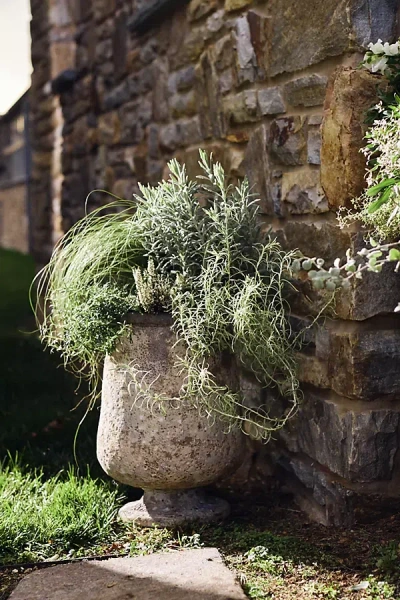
{"x":195,"y":574}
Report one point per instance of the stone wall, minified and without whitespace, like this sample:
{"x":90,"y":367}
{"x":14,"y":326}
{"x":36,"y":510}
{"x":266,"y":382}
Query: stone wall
{"x":272,"y":90}
{"x":14,"y":218}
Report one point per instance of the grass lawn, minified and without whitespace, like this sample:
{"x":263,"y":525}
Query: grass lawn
{"x":51,"y":509}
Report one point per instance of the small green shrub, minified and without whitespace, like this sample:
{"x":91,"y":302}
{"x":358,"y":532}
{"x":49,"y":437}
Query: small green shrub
{"x":195,"y":248}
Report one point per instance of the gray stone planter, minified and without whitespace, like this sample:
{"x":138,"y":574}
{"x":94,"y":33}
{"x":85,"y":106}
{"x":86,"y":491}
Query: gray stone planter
{"x":171,"y":453}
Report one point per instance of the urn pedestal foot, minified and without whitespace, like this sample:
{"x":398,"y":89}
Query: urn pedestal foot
{"x":174,"y":508}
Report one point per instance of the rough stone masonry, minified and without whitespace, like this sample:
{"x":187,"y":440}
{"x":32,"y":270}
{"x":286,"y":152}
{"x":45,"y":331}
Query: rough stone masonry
{"x":272,"y":89}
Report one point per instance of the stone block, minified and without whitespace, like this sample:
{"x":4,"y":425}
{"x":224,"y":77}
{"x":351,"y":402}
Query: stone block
{"x":149,"y":51}
{"x":181,"y":133}
{"x":135,"y":116}
{"x":39,"y":49}
{"x":40,"y":25}
{"x":116,"y":96}
{"x":231,"y":5}
{"x":104,"y":30}
{"x":123,"y":188}
{"x":82,"y":139}
{"x":260,"y":34}
{"x":188,"y":131}
{"x":140,"y":159}
{"x":255,"y":476}
{"x":323,"y":239}
{"x":226,"y":81}
{"x":257,"y":169}
{"x":183,"y":105}
{"x":251,"y":34}
{"x":270,"y":101}
{"x":60,"y":14}
{"x":223,"y":53}
{"x":236,"y":163}
{"x":147,"y":79}
{"x":238,"y":136}
{"x":106,"y":71}
{"x":119,"y":44}
{"x":315,"y":119}
{"x":154,"y":170}
{"x":241,"y":108}
{"x":373,"y":20}
{"x":109,"y":128}
{"x":201,"y":8}
{"x":214,"y":24}
{"x":301,"y":38}
{"x":363,"y":364}
{"x":375,"y":294}
{"x":302,"y":193}
{"x":169,"y":137}
{"x":312,"y":370}
{"x":160,"y":90}
{"x":190,"y":49}
{"x":287,"y":140}
{"x":209,"y":102}
{"x":83,"y":9}
{"x":190,"y":156}
{"x":316,"y":492}
{"x":246,"y":58}
{"x":308,"y":90}
{"x":153,"y":141}
{"x":62,"y":56}
{"x":184,"y":78}
{"x":358,"y":445}
{"x":314,"y":146}
{"x":117,"y":157}
{"x":103,"y":8}
{"x":42,"y":160}
{"x":104,"y":51}
{"x":133,"y":62}
{"x":351,"y":93}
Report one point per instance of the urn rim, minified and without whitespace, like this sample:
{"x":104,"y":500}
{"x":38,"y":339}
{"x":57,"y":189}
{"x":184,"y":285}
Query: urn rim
{"x":149,"y":320}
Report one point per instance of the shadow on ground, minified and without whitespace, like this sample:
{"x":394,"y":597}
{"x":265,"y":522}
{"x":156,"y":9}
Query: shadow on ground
{"x":37,"y":397}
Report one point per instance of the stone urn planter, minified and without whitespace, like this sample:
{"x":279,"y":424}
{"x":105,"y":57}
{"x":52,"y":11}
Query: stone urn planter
{"x":170,"y":453}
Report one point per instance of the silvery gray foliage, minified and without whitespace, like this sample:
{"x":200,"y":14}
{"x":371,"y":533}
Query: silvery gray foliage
{"x":339,"y":276}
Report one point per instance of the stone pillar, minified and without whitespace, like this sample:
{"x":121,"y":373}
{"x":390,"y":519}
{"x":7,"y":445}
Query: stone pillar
{"x":41,"y":133}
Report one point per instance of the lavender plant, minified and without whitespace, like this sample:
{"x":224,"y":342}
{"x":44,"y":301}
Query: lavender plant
{"x":208,"y":263}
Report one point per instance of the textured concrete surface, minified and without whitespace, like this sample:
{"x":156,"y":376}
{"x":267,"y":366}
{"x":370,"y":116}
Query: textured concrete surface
{"x":194,"y":574}
{"x":160,"y":451}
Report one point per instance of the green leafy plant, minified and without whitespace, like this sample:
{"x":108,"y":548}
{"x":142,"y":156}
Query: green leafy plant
{"x":195,"y":248}
{"x":88,"y":287}
{"x":378,"y":207}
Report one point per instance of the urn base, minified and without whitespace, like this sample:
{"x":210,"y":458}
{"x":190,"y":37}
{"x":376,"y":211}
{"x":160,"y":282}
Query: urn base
{"x":174,"y":508}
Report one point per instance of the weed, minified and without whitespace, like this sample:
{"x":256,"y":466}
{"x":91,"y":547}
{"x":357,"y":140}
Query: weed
{"x":379,"y":590}
{"x":387,"y":558}
{"x":147,"y":541}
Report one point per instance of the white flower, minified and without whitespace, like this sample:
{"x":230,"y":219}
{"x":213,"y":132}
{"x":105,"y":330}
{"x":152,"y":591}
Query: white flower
{"x":376,"y":48}
{"x":379,"y":66}
{"x":391,"y":49}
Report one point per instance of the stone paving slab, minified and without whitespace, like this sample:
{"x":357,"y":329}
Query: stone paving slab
{"x":187,"y":574}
